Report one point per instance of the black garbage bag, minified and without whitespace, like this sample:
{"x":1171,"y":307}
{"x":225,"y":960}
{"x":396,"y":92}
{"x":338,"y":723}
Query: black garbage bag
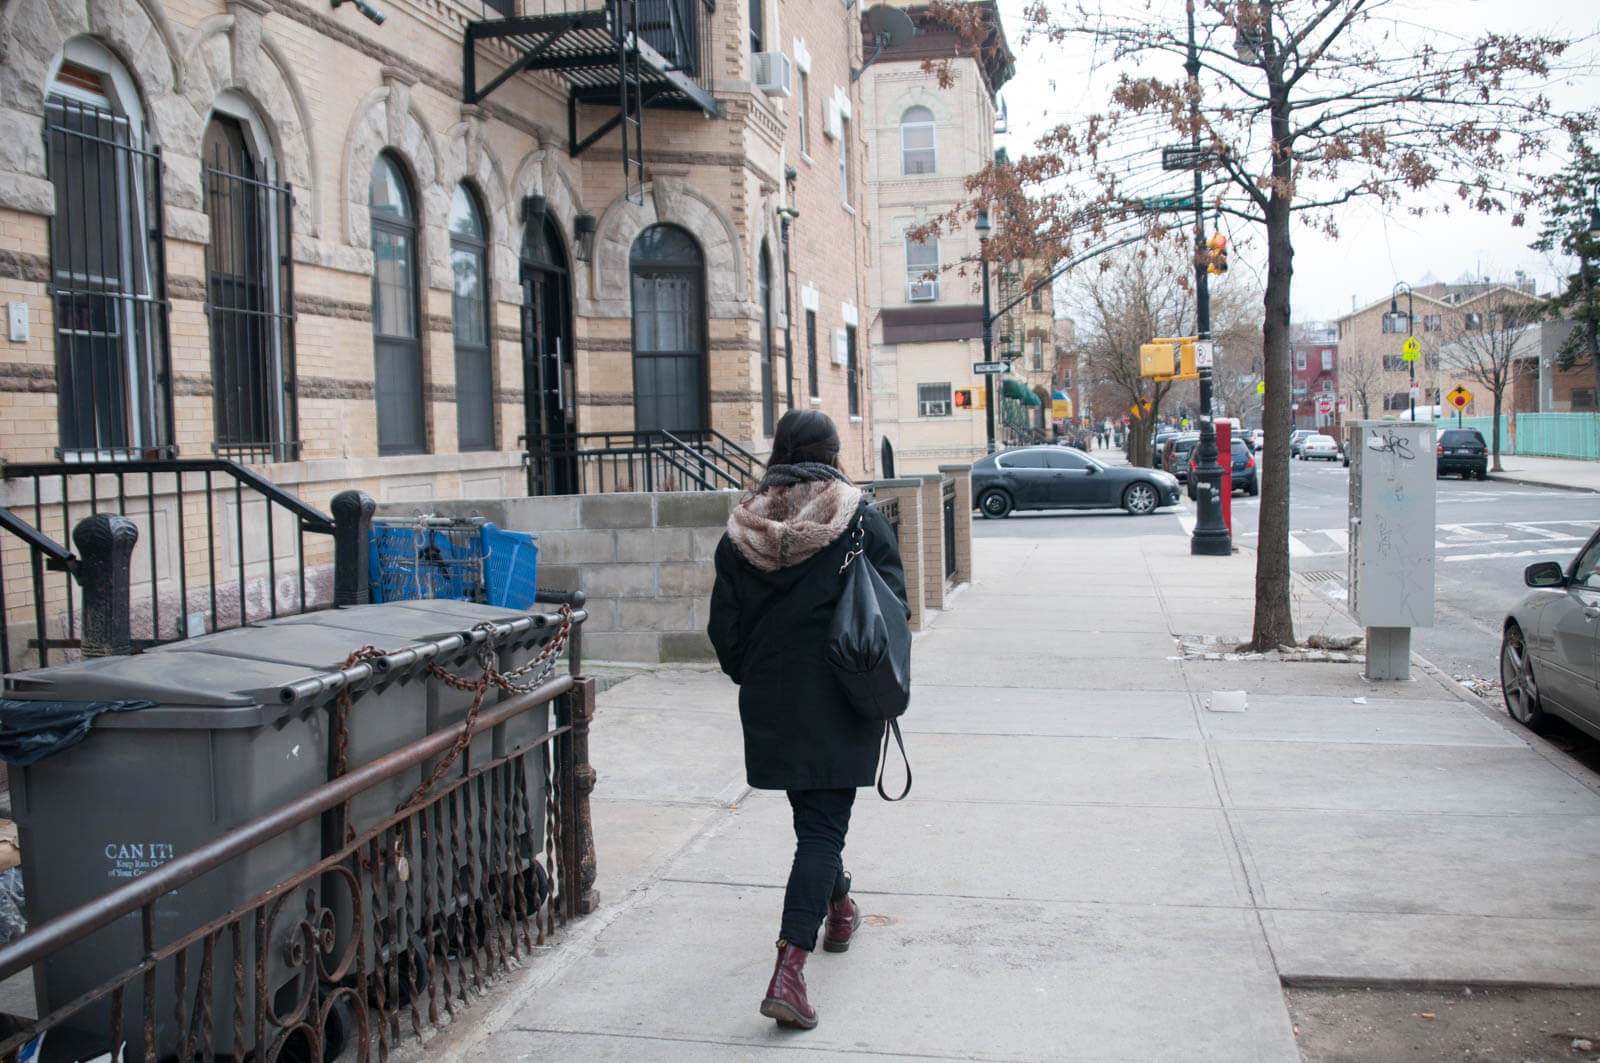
{"x":33,"y":730}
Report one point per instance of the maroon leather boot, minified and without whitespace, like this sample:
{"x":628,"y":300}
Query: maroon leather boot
{"x":786,"y":993}
{"x":843,"y":918}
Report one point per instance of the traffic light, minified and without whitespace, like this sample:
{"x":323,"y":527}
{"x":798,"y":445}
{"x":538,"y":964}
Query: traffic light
{"x":1168,"y":359}
{"x":1217,"y":257}
{"x":970,"y":399}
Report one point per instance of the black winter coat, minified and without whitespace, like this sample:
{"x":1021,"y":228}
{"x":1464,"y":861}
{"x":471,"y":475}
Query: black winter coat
{"x":770,"y":630}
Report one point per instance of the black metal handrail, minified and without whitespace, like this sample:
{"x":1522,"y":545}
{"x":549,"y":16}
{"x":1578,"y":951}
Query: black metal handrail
{"x":43,"y":553}
{"x":163,"y":496}
{"x":654,"y":460}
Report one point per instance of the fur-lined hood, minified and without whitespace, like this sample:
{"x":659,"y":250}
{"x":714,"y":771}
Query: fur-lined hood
{"x":783,"y":526}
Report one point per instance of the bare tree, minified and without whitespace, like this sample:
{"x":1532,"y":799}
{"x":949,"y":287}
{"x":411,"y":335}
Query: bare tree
{"x":1486,"y":352}
{"x":1120,"y":303}
{"x":1299,"y":107}
{"x":1361,"y":376}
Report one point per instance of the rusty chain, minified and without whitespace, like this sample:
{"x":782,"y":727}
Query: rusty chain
{"x":492,"y":677}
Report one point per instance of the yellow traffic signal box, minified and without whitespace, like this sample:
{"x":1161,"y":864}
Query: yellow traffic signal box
{"x":1170,"y":358}
{"x":1158,"y":359}
{"x":970,"y":399}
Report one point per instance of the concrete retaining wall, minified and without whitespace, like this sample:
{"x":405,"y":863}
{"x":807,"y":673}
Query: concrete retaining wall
{"x":644,"y":561}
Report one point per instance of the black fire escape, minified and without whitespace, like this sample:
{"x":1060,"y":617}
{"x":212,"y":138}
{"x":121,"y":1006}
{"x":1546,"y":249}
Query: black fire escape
{"x":627,"y":54}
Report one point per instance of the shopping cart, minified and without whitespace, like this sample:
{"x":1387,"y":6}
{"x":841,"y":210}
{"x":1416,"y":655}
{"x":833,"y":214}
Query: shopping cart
{"x":465,"y":558}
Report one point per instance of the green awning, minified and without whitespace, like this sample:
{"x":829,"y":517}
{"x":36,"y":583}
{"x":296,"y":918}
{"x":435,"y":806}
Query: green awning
{"x":1012,"y":388}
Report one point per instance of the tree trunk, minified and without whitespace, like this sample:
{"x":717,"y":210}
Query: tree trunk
{"x":1274,"y":618}
{"x":1498,"y":394}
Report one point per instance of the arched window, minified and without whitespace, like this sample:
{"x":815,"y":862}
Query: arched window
{"x":469,"y":318}
{"x":396,"y":342}
{"x":247,"y":288}
{"x":669,"y":330}
{"x":916,"y":141}
{"x":107,"y":266}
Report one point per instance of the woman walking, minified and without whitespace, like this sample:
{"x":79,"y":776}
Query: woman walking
{"x":778,"y":580}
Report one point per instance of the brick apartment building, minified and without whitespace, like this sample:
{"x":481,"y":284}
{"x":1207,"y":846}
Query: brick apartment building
{"x":278,"y":231}
{"x":1445,"y":319}
{"x":380,"y":256}
{"x":1315,"y":376}
{"x":926,"y":305}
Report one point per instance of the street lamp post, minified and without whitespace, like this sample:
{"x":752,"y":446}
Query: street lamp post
{"x":982,"y":225}
{"x":1210,"y":536}
{"x":1394,"y":317}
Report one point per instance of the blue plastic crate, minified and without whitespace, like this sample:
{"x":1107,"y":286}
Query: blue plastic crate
{"x":409,"y":563}
{"x":510,"y":567}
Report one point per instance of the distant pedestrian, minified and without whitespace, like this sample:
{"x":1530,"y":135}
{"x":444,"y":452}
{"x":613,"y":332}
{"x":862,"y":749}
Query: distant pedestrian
{"x":785,"y":544}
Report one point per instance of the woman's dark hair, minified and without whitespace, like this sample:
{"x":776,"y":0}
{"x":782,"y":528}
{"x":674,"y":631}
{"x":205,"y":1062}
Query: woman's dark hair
{"x":805,"y":435}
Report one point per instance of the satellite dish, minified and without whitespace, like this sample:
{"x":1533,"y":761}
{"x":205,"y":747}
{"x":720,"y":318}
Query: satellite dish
{"x":889,"y":27}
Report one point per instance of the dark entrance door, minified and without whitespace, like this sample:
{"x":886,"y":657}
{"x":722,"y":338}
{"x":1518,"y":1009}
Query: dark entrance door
{"x":548,"y":381}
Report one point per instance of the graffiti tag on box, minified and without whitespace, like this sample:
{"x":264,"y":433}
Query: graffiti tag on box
{"x":132,"y":859}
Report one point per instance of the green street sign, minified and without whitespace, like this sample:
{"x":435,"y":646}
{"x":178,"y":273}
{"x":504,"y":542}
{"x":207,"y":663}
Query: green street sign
{"x":1168,"y":203}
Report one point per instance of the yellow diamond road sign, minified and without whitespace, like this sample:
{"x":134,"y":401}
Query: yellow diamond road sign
{"x":1411,"y":350}
{"x":1460,"y":397}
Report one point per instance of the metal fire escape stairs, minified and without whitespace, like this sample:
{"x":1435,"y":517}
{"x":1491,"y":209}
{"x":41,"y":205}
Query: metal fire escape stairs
{"x":631,"y":54}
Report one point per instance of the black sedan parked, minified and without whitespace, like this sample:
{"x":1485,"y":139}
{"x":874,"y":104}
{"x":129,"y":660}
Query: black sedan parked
{"x":1064,"y":478}
{"x":1462,"y":450}
{"x":1550,"y":649}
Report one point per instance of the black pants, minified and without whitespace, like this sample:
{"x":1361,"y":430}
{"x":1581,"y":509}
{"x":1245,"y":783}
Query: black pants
{"x":821,"y":819}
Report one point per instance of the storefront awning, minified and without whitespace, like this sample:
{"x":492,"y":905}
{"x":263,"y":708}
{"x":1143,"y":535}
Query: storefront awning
{"x":1013,"y":388}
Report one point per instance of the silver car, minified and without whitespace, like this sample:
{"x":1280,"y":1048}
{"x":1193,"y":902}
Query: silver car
{"x":1550,"y":650}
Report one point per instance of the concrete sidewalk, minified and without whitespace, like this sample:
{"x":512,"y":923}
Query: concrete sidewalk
{"x":1093,"y":864}
{"x":1549,"y":472}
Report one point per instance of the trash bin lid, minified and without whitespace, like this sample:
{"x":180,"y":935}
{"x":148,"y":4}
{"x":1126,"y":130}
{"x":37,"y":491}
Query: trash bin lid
{"x":308,"y":646}
{"x":192,"y":691}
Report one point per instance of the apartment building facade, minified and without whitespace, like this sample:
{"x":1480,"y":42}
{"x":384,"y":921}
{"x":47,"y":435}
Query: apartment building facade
{"x":279,"y":232}
{"x":1315,"y":378}
{"x":926,"y":306}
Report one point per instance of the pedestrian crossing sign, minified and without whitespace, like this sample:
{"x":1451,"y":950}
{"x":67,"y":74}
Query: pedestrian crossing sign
{"x":1411,"y":349}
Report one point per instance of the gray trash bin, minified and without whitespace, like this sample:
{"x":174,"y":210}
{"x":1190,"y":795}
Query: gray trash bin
{"x":218,"y":749}
{"x":381,"y":719}
{"x":398,"y":625}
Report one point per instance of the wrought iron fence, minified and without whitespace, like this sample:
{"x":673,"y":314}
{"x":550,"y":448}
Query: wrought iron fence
{"x":949,"y":497}
{"x":218,"y":546}
{"x":890,"y":508}
{"x":396,"y":928}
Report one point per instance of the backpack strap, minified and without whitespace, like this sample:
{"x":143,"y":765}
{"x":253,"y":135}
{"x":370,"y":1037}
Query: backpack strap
{"x":883,"y":760}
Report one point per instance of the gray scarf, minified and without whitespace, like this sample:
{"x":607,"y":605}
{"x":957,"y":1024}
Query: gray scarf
{"x":799,"y":473}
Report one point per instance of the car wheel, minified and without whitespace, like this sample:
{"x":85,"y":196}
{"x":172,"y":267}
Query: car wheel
{"x":1253,"y":487}
{"x":1139,"y":499}
{"x":995,"y":503}
{"x":1483,"y":474}
{"x":1516,"y":681}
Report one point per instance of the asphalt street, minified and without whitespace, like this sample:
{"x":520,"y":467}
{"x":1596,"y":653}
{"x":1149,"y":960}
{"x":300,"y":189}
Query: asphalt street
{"x":1488,"y":532}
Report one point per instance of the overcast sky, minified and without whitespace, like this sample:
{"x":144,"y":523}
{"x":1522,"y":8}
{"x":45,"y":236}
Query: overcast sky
{"x":1376,"y":247}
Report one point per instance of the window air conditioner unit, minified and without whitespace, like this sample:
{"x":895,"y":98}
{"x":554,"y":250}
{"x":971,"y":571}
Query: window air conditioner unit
{"x":841,"y":353}
{"x":922,"y":291}
{"x":832,"y":120}
{"x":772,"y":73}
{"x":939,"y":408}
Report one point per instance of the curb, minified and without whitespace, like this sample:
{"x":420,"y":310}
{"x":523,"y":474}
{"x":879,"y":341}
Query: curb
{"x":1504,"y":478}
